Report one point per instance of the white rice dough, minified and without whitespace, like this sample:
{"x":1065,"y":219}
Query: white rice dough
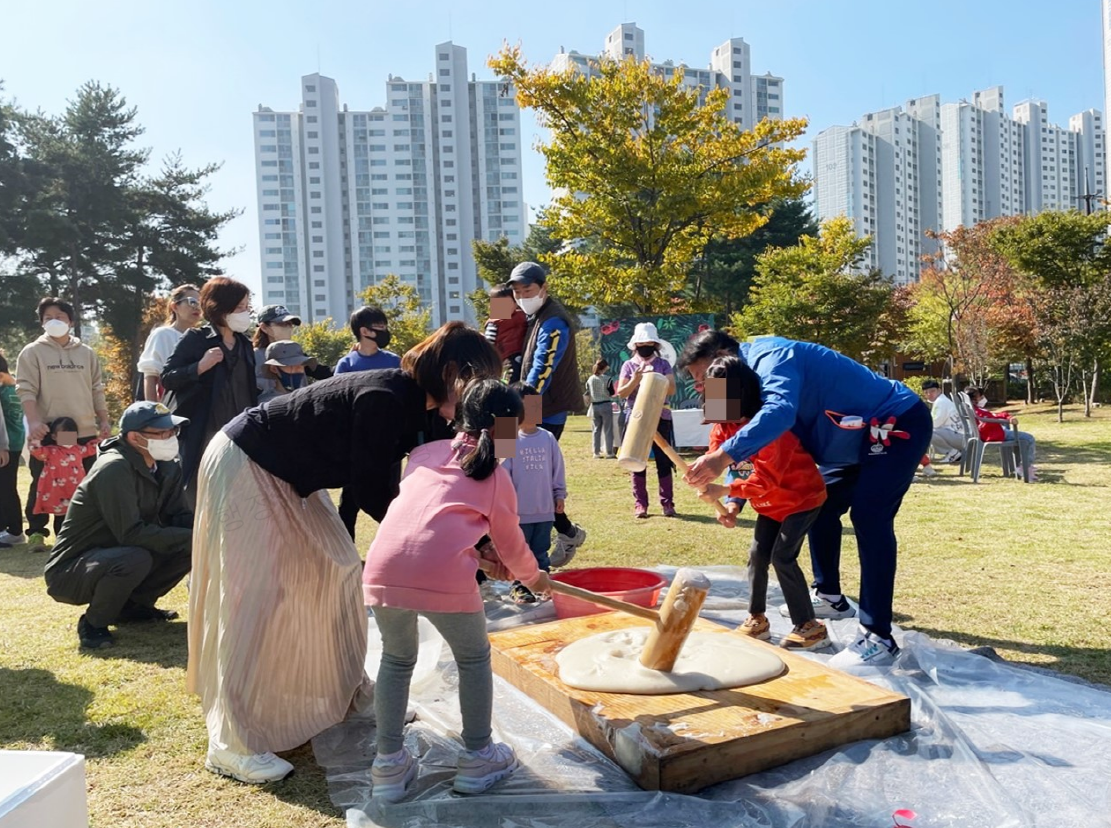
{"x":610,"y":663}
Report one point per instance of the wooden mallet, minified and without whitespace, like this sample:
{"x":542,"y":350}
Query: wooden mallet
{"x":640,"y":432}
{"x":672,"y":622}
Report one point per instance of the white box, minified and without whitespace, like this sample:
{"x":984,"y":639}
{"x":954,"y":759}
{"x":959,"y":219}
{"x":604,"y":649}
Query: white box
{"x":41,"y":789}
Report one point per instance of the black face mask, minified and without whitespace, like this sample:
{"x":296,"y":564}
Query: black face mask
{"x":381,"y":338}
{"x":646,"y":351}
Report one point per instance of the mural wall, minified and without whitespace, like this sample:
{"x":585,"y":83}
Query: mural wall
{"x":673,"y":330}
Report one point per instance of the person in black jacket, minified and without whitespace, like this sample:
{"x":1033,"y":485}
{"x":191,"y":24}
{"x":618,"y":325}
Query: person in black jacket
{"x":211,"y":372}
{"x":277,"y":626}
{"x":127,"y":537}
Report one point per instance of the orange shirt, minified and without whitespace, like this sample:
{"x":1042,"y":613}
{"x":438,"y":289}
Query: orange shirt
{"x":782,"y":478}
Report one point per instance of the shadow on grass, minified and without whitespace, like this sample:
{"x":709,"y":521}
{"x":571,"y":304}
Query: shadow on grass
{"x":1090,"y":663}
{"x":151,"y":642}
{"x":19,"y":562}
{"x":37,"y":709}
{"x":308,"y":786}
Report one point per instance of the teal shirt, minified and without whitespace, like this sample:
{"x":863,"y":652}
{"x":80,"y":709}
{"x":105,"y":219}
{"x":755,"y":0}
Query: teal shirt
{"x":13,"y":418}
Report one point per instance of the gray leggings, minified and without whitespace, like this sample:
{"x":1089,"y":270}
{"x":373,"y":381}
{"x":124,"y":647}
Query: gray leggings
{"x":465,"y":634}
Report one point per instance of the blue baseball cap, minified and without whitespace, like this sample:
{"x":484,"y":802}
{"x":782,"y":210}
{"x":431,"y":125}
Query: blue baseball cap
{"x":528,"y":273}
{"x":147,"y":414}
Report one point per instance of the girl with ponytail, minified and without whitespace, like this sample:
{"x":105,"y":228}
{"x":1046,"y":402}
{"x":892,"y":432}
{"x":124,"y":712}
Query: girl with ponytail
{"x":423,"y":562}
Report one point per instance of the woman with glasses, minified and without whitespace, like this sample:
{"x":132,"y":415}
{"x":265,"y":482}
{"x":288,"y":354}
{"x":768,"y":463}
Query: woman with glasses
{"x":185,"y":313}
{"x":211,"y":372}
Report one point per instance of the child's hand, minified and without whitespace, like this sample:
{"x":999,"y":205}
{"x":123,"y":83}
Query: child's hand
{"x":729,"y":520}
{"x":542,"y":585}
{"x":714,"y":491}
{"x":559,"y":505}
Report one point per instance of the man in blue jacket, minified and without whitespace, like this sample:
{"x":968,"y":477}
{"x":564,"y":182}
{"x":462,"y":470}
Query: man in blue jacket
{"x":866,"y":433}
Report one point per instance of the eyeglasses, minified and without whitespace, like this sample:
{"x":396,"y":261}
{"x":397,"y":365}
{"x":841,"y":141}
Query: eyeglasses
{"x":191,"y":301}
{"x":161,"y":435}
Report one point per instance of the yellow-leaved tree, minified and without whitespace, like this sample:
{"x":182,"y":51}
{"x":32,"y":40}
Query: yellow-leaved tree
{"x":409,"y":319}
{"x":646,"y":173}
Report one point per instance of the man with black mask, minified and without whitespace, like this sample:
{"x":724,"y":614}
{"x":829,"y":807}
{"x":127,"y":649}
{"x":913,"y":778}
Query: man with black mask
{"x":372,"y":333}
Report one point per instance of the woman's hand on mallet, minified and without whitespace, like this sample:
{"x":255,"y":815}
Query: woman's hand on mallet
{"x":707,"y":468}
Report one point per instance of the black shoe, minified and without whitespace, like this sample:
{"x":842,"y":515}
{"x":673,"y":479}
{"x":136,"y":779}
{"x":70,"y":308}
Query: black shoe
{"x":93,"y":638}
{"x":521,"y":594}
{"x":132,"y":612}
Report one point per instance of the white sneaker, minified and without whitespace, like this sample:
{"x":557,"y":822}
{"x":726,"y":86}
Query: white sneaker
{"x":254,"y":769}
{"x":391,"y":775}
{"x":566,"y":546}
{"x":824,"y":608}
{"x":13,"y":540}
{"x":479,"y":769}
{"x":928,"y":471}
{"x":868,"y":650}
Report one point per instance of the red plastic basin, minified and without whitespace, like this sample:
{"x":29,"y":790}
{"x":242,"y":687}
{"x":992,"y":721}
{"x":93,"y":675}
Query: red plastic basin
{"x":637,"y":586}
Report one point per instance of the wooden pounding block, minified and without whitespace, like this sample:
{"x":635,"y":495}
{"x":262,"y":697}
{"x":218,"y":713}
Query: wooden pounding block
{"x":685,"y":742}
{"x":643,"y":421}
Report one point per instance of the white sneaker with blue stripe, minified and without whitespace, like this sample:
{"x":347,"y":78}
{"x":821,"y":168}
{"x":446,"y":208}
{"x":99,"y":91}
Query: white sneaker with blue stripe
{"x":867,"y":650}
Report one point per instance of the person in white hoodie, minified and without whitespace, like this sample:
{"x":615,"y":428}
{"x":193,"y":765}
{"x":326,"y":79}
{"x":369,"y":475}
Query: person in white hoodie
{"x":58,"y":376}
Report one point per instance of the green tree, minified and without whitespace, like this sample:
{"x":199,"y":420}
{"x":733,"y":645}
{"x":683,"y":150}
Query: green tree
{"x":324,"y":341}
{"x":647,"y":175}
{"x":410,"y":321}
{"x":722,"y":276}
{"x":1067,"y":259}
{"x":83,"y":169}
{"x":814,"y":292}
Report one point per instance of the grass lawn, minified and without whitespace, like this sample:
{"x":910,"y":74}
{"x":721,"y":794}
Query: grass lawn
{"x":1015,"y":567}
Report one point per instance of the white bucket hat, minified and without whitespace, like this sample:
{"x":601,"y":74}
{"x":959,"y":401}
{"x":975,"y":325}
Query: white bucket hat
{"x":644,"y":332}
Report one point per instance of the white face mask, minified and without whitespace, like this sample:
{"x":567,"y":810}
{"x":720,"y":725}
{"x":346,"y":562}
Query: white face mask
{"x":282,"y":331}
{"x":56,"y":327}
{"x":532,"y":304}
{"x":162,"y":449}
{"x":238,"y":322}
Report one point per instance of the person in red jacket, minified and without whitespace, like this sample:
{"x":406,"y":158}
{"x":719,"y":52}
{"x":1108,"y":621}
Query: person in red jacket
{"x":990,"y":425}
{"x":784,"y":487}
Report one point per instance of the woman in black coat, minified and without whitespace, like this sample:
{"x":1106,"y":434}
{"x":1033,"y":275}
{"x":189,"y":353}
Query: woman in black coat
{"x":277,"y":625}
{"x":211,"y":372}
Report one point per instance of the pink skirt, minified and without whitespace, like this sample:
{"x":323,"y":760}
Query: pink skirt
{"x":277,"y":626}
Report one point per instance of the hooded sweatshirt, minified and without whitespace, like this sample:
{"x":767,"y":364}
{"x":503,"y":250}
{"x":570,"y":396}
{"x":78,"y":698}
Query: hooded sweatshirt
{"x":63,"y":380}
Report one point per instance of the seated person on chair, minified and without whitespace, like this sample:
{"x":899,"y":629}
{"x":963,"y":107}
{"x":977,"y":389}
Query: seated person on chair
{"x":991,"y":428}
{"x":128,"y":535}
{"x":948,"y":433}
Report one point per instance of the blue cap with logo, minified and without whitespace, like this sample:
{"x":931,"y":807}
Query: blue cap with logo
{"x":147,"y":414}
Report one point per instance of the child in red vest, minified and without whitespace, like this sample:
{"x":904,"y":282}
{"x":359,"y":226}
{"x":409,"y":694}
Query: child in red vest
{"x":63,"y":467}
{"x":783,"y":485}
{"x":505,"y":330}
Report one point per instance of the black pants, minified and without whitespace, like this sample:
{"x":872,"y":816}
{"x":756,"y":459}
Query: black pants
{"x":37,"y":523}
{"x":777,"y":544}
{"x":106,"y":579}
{"x":348,"y":511}
{"x":562,"y":522}
{"x":11,"y":510}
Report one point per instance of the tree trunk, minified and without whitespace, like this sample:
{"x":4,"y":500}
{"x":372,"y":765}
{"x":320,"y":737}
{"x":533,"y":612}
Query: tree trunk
{"x":1029,"y":381}
{"x":1060,"y":409}
{"x":1084,"y":393}
{"x":1095,"y":385}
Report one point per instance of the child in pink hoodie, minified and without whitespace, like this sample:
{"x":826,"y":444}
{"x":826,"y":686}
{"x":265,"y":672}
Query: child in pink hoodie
{"x":423,"y":561}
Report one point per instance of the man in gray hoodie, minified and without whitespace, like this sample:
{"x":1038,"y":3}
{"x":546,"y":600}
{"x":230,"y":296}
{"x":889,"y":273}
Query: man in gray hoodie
{"x":127,"y":538}
{"x":58,"y":376}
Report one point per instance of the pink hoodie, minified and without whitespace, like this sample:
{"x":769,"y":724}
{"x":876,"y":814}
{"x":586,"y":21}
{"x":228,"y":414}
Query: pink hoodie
{"x":423,"y":557}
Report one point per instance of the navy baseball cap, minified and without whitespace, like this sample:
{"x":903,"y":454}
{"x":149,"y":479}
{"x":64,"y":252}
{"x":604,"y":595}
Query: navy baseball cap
{"x":528,"y":273}
{"x":147,"y":414}
{"x":277,"y":313}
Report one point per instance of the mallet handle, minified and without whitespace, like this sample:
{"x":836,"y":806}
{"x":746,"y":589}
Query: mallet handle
{"x":605,"y":601}
{"x":681,"y":464}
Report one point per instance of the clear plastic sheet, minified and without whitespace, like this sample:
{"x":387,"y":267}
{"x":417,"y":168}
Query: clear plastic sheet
{"x":992,"y":745}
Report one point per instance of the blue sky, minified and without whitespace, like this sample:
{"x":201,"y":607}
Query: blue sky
{"x":197,"y":70}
